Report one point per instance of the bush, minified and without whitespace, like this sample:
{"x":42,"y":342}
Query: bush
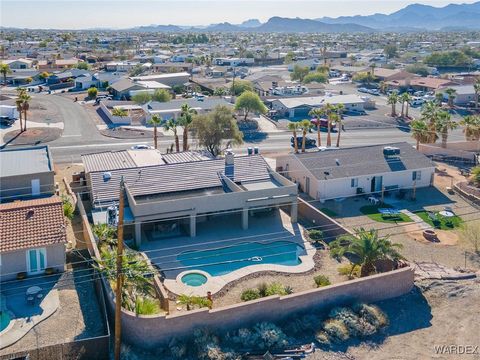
{"x":322,"y":338}
{"x":356,"y":325}
{"x":336,"y":330}
{"x":178,"y":349}
{"x":68,"y":209}
{"x":315,"y":235}
{"x":243,"y":337}
{"x":275,"y":289}
{"x":321,"y":280}
{"x":372,"y":314}
{"x":21,"y":275}
{"x":250,"y":294}
{"x":262,"y":289}
{"x":269,"y":336}
{"x":92,"y":93}
{"x":350,"y":270}
{"x":146,"y":306}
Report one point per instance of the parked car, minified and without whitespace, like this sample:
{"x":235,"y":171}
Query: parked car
{"x":419,"y":93}
{"x":363,"y":90}
{"x":417,"y":102}
{"x":323,"y":123}
{"x":141,"y":147}
{"x":355,"y":112}
{"x":308,"y":142}
{"x":374,"y":92}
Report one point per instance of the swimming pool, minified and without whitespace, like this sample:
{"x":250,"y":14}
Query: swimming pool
{"x":4,"y":320}
{"x":194,"y":279}
{"x":221,"y":261}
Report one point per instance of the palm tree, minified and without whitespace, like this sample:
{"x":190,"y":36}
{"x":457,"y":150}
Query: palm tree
{"x":476,"y":88}
{"x":405,"y":98}
{"x":305,"y":126}
{"x":339,"y":122}
{"x":19,"y":104}
{"x":383,"y":87}
{"x":430,"y":113}
{"x":155,"y":121}
{"x":366,"y":248}
{"x":420,"y":132}
{"x":393,"y":100}
{"x":171,"y":124}
{"x":471,"y":127}
{"x":444,"y":124}
{"x":186,"y":118}
{"x":439,"y":98}
{"x":451,"y":96}
{"x":293,"y":127}
{"x":317,"y":113}
{"x":330,"y":111}
{"x":24,"y":104}
{"x":5,"y":70}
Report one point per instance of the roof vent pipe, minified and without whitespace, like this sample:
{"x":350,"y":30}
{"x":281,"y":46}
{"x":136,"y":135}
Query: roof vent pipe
{"x":229,"y":164}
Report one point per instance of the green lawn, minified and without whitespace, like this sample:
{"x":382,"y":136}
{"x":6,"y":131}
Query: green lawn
{"x":372,"y":212}
{"x":443,"y":223}
{"x":329,"y":212}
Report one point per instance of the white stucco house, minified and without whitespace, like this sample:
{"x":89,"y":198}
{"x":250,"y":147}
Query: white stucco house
{"x":339,"y":173}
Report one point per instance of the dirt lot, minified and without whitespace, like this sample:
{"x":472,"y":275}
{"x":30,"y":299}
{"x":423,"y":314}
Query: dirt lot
{"x":434,"y":314}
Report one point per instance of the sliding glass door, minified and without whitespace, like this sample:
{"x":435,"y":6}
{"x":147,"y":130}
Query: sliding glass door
{"x":36,"y":260}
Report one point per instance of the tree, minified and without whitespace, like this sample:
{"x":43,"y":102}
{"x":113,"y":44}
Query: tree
{"x":393,"y":100}
{"x":82,"y":65}
{"x":448,"y":59}
{"x":220,"y":91}
{"x":216,"y":130}
{"x":420,"y":132}
{"x":119,"y":112}
{"x":390,"y":51}
{"x":475,"y":177}
{"x":249,"y":101}
{"x":317,"y":113}
{"x":405,"y":98}
{"x":289,"y":57}
{"x":299,"y":73}
{"x":142,"y":97}
{"x":44,"y":75}
{"x":419,"y":69}
{"x":241,"y":86}
{"x":5,"y":70}
{"x":23,"y":104}
{"x":92,"y":92}
{"x":105,"y":233}
{"x":136,"y":70}
{"x":155,"y":120}
{"x":430,"y":113}
{"x":305,"y":126}
{"x":471,"y":127}
{"x":171,"y":124}
{"x":444,"y":124}
{"x":471,"y":231}
{"x":186,"y":118}
{"x":364,"y":77}
{"x":339,"y":122}
{"x":476,"y":88}
{"x":331,"y":112}
{"x":293,"y":127}
{"x":19,"y":104}
{"x":161,"y":95}
{"x":451,"y":95}
{"x":318,"y":77}
{"x":366,"y":248}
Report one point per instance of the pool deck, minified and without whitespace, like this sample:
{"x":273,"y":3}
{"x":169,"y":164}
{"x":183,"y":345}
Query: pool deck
{"x":224,"y":232}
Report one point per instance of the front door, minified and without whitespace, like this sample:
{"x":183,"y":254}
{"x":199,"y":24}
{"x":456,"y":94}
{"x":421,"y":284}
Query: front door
{"x":35,"y":187}
{"x":36,"y":260}
{"x":376,"y":184}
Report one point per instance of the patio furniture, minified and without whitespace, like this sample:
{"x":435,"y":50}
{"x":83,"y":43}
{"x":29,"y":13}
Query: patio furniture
{"x":387,"y":212}
{"x":448,"y":208}
{"x":447,"y":214}
{"x":373,"y":200}
{"x":33,"y":290}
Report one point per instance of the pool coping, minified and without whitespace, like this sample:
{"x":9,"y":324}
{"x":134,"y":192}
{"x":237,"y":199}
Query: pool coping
{"x":216,"y":283}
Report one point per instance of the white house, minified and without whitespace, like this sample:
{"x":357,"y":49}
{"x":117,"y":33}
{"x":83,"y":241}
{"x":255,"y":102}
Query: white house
{"x":340,"y":173}
{"x":16,"y":64}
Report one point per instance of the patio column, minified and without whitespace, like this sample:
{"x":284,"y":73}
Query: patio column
{"x":138,"y":233}
{"x":245,"y":218}
{"x":193,"y":225}
{"x":294,"y":212}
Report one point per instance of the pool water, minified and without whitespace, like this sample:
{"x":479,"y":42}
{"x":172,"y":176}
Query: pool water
{"x":194,"y":279}
{"x":221,"y":261}
{"x":4,"y":320}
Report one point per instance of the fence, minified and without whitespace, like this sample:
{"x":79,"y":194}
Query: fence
{"x":116,"y":120}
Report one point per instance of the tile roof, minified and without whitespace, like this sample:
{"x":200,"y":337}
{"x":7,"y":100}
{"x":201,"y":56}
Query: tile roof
{"x":32,"y":224}
{"x":361,"y":161}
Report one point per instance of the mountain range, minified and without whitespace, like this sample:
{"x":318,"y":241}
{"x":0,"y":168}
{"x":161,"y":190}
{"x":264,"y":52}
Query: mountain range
{"x":413,"y":17}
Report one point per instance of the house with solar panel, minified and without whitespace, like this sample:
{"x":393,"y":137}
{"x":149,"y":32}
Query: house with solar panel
{"x":345,"y":172}
{"x":168,"y":194}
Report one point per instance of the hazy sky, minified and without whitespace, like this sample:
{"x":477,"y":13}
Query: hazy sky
{"x":74,"y":14}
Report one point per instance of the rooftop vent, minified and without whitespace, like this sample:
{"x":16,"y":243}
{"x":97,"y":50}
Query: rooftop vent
{"x":391,"y":151}
{"x":107,"y":176}
{"x":337,"y":162}
{"x":229,"y":164}
{"x":30,"y":213}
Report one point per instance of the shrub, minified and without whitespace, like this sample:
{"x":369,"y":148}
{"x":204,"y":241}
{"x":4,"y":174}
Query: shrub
{"x":301,"y":325}
{"x":269,"y":336}
{"x":262,"y":289}
{"x":288,"y":290}
{"x":21,"y":275}
{"x":178,"y":349}
{"x":322,"y":338}
{"x":315,"y":235}
{"x":146,"y":306}
{"x":243,"y":337}
{"x":372,"y":314}
{"x":250,"y":294}
{"x":275,"y":289}
{"x":68,"y":209}
{"x":336,"y":330}
{"x":356,"y":325}
{"x":92,"y":92}
{"x":350,"y":270}
{"x":203,"y":337}
{"x":321,"y":280}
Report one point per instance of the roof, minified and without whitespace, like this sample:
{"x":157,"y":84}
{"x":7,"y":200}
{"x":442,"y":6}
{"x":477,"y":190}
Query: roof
{"x":293,"y":102}
{"x":124,"y":84}
{"x":168,"y":178}
{"x":160,"y":76}
{"x":24,"y":161}
{"x":430,"y":82}
{"x":361,"y":160}
{"x":175,"y":105}
{"x":32,"y":224}
{"x":108,"y":160}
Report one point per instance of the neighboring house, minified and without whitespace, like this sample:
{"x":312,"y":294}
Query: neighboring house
{"x":33,"y":237}
{"x":312,"y":64}
{"x":430,"y":83}
{"x":65,"y":76}
{"x":121,"y":66}
{"x":22,"y":77}
{"x":169,"y":199}
{"x":171,"y":79}
{"x":234,"y":61}
{"x":26,"y":173}
{"x":9,"y":112}
{"x":294,"y":107}
{"x":173,"y":108}
{"x":340,"y":173}
{"x":121,"y":88}
{"x":464,"y":94}
{"x":98,"y":80}
{"x":17,"y":64}
{"x":169,"y":67}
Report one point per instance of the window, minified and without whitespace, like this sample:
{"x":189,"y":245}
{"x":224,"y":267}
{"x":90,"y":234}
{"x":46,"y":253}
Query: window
{"x":354,"y":183}
{"x":416,"y":175}
{"x":36,"y":260}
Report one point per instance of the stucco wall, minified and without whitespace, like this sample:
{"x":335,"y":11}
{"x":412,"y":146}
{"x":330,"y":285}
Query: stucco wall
{"x":116,"y":120}
{"x":21,"y":186}
{"x":151,"y":331}
{"x":14,"y":262}
{"x":461,"y":149}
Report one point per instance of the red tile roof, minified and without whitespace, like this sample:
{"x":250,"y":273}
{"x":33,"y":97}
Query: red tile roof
{"x":32,"y":224}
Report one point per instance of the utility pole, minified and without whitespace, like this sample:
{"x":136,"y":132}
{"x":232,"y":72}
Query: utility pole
{"x":118,"y":289}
